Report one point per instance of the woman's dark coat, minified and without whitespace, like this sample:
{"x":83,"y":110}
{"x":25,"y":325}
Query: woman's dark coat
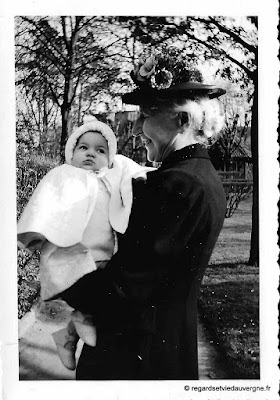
{"x":144,"y":301}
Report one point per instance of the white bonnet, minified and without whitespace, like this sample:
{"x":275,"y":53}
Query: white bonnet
{"x":95,"y":126}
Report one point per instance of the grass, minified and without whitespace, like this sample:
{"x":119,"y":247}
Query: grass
{"x":233,"y":245}
{"x":229,"y":300}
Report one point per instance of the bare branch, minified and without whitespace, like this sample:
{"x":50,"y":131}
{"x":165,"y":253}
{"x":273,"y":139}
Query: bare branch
{"x":87,"y":23}
{"x":54,"y":96}
{"x":222,"y":52}
{"x":48,"y":41}
{"x":234,"y":35}
{"x":67,"y":44}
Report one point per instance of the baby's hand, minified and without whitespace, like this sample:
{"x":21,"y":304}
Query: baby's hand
{"x":35,"y":244}
{"x":30,"y":241}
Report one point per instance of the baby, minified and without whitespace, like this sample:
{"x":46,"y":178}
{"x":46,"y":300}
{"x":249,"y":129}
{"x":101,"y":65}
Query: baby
{"x":72,"y":218}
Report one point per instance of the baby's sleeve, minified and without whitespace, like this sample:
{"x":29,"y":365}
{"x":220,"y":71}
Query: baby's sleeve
{"x":60,"y":207}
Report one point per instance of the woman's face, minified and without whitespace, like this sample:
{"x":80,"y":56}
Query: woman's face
{"x":158,"y":134}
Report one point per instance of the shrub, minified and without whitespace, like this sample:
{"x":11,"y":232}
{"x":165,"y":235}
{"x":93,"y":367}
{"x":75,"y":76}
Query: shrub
{"x":236,"y":190}
{"x":28,"y":280}
{"x":30,"y":170}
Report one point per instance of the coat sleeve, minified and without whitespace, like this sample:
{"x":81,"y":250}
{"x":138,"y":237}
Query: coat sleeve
{"x":167,"y":215}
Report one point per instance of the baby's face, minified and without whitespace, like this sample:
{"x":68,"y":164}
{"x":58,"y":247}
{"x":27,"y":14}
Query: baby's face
{"x":91,"y":152}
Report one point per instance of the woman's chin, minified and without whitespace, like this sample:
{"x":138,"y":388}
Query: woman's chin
{"x":150,"y":157}
{"x":153,"y":156}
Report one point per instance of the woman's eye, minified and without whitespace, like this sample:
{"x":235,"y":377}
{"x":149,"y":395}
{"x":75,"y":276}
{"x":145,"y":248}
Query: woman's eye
{"x":143,"y":116}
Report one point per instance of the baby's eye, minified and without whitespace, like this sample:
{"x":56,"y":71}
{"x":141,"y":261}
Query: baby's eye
{"x":83,"y":147}
{"x":101,"y":151}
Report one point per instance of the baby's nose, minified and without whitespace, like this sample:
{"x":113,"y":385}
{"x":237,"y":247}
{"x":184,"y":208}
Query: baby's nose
{"x":91,"y":153}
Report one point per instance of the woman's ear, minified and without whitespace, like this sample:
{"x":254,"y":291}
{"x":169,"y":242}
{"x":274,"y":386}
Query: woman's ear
{"x":183,"y":117}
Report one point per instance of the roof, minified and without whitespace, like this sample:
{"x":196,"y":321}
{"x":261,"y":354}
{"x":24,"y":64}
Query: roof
{"x":242,"y":152}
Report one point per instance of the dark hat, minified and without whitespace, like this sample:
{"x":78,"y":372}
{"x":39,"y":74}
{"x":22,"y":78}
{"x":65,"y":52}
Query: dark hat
{"x":167,"y":74}
{"x":187,"y":90}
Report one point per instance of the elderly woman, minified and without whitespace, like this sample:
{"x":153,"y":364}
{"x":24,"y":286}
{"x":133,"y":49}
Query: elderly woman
{"x":144,"y":302}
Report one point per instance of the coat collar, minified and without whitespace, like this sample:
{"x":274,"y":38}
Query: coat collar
{"x":188,"y":152}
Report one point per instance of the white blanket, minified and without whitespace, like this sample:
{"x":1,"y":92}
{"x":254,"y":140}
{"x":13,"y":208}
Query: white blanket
{"x":63,"y":201}
{"x":59,"y":211}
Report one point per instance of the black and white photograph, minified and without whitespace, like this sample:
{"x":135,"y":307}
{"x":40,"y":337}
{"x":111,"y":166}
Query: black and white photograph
{"x":141,"y":216}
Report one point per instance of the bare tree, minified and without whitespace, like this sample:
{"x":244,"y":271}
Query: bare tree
{"x":58,"y":54}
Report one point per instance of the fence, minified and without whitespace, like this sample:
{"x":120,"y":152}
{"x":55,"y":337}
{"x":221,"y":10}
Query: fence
{"x":225,"y":175}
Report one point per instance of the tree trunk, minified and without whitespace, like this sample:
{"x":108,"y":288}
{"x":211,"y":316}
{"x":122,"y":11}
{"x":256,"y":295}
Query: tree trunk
{"x":65,"y":116}
{"x":45,"y":116}
{"x":68,"y":87}
{"x":254,"y":251}
{"x":79,"y":121}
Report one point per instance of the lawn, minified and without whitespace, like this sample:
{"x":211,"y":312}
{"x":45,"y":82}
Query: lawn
{"x":229,"y":300}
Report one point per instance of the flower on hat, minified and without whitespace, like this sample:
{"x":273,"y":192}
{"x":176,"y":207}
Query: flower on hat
{"x":148,"y":67}
{"x":161,"y":79}
{"x":144,"y":69}
{"x":165,"y":67}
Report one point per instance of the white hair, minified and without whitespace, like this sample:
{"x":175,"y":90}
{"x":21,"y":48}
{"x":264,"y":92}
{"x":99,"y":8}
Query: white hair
{"x":204,"y":116}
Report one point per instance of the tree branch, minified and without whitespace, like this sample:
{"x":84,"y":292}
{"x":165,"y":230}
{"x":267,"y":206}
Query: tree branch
{"x":32,"y":110}
{"x":55,"y":98}
{"x":54,"y":60}
{"x":48,"y":39}
{"x":87,"y":22}
{"x":235,"y":36}
{"x":77,"y":83}
{"x":229,"y":32}
{"x":222,"y":52}
{"x":67,"y":44}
